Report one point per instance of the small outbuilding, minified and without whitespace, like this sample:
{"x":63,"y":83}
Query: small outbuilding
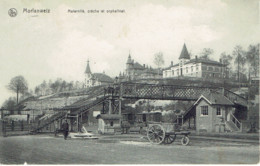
{"x":149,"y":117}
{"x":214,"y":113}
{"x":108,"y":123}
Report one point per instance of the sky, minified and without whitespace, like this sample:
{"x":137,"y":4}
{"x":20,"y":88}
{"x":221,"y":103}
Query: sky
{"x":58,"y":44}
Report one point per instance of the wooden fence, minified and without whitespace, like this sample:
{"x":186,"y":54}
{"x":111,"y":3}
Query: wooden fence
{"x":14,"y":128}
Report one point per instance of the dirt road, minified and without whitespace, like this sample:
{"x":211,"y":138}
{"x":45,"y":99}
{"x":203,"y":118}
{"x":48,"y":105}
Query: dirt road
{"x":43,"y":149}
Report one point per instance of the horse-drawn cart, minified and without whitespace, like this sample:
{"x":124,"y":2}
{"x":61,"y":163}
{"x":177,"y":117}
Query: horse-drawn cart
{"x":158,"y":133}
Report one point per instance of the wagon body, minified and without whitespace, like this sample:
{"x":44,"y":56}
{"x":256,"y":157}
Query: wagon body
{"x":158,"y":133}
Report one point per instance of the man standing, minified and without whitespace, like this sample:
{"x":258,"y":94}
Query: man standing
{"x":65,"y":128}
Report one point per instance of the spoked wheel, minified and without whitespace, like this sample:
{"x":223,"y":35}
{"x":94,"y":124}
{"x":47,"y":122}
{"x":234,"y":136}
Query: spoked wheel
{"x":156,"y":134}
{"x":185,"y":140}
{"x":169,"y":139}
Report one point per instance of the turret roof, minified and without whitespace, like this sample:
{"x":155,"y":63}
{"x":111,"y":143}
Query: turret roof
{"x":129,"y":61}
{"x":88,"y":71}
{"x":184,"y":53}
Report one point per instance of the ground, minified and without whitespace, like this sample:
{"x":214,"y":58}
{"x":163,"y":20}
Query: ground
{"x":47,"y":149}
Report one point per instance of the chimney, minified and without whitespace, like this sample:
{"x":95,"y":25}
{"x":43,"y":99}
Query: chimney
{"x":171,"y":63}
{"x":144,"y":65}
{"x":220,"y":60}
{"x":196,"y":57}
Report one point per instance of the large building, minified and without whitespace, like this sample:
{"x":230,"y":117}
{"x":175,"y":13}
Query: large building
{"x":135,"y":70}
{"x":95,"y":79}
{"x":197,"y":67}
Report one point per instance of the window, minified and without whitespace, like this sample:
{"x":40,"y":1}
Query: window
{"x":111,"y":123}
{"x":204,"y":111}
{"x":173,"y":72}
{"x":191,"y":68}
{"x":187,"y":70}
{"x":218,"y":111}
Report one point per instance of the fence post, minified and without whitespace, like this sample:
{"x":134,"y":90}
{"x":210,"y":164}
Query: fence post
{"x":3,"y":128}
{"x":12,"y":125}
{"x":21,"y":125}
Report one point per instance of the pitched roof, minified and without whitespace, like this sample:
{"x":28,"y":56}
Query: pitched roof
{"x":88,"y":71}
{"x":184,"y":53}
{"x":206,"y":61}
{"x":102,"y":77}
{"x":138,"y":66}
{"x":109,"y":116}
{"x":215,"y":98}
{"x":153,"y":71}
{"x":167,"y":68}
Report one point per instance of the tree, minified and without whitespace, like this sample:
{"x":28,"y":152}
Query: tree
{"x":158,"y":60}
{"x":18,"y":85}
{"x":37,"y":91}
{"x":9,"y":105}
{"x":240,"y":60}
{"x":226,"y":59}
{"x":252,"y":59}
{"x":206,"y":52}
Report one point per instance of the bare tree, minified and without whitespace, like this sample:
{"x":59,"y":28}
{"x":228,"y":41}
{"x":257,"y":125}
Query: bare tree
{"x":240,"y":60}
{"x":18,"y":85}
{"x":226,"y":59}
{"x":158,"y":60}
{"x":252,"y":59}
{"x":206,"y":52}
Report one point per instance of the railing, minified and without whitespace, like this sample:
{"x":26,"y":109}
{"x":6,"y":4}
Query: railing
{"x":43,"y":123}
{"x":157,"y":91}
{"x":237,"y":99}
{"x":236,"y":122}
{"x":168,"y":92}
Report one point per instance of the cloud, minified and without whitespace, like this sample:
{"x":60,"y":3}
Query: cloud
{"x":59,"y":44}
{"x":74,"y":49}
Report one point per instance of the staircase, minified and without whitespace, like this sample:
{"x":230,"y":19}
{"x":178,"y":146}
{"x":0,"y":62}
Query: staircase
{"x":234,"y":125}
{"x":79,"y":107}
{"x":43,"y":123}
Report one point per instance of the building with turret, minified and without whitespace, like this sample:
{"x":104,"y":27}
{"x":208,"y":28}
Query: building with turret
{"x":197,"y":67}
{"x":95,"y":79}
{"x":135,"y":70}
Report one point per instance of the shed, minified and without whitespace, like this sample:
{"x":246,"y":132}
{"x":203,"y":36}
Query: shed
{"x":108,"y":123}
{"x":149,"y":116}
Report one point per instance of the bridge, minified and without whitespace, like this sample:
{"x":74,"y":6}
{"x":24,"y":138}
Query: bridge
{"x":113,"y":94}
{"x":167,"y":92}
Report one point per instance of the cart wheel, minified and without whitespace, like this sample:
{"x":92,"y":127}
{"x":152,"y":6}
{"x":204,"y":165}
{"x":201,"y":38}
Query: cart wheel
{"x":156,"y":134}
{"x":185,"y":140}
{"x":169,"y":139}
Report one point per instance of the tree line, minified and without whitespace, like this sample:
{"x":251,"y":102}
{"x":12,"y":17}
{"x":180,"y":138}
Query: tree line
{"x":240,"y":62}
{"x":19,"y":86}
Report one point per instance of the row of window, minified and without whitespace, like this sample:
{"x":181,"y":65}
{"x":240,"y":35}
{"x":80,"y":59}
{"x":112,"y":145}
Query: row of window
{"x":211,"y":68}
{"x":204,"y":111}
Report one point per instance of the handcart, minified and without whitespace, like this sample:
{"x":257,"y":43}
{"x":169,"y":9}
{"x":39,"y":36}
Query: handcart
{"x":158,"y":133}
